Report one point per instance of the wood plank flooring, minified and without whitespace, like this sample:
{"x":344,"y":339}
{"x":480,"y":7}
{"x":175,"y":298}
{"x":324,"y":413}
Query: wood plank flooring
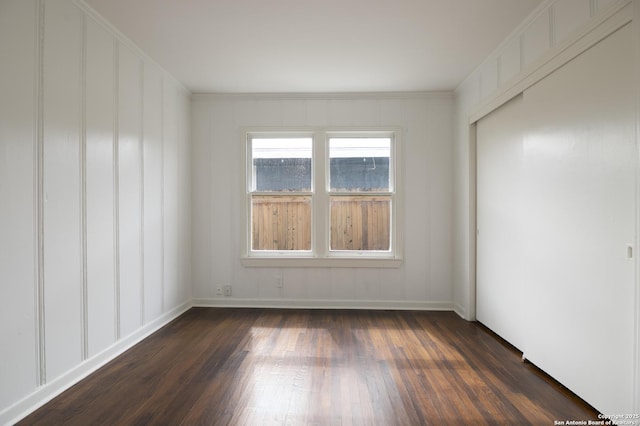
{"x":315,"y":367}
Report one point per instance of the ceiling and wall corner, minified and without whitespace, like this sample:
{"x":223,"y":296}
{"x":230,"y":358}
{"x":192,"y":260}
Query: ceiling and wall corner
{"x":250,"y":46}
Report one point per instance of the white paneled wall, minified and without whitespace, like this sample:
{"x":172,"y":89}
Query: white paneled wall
{"x":94,"y":186}
{"x":19,"y":365}
{"x":423,"y":281}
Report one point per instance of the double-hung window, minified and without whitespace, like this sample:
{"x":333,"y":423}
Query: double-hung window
{"x":322,"y":198}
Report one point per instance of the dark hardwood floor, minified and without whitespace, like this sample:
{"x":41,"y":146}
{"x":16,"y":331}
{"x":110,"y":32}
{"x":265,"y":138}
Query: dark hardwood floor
{"x":264,"y":367}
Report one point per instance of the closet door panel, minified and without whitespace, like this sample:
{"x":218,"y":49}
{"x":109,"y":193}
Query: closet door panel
{"x":579,"y":215}
{"x":499,"y":245}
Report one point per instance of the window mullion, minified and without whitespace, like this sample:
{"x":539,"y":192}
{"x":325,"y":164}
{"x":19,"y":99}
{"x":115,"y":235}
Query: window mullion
{"x":321,"y":196}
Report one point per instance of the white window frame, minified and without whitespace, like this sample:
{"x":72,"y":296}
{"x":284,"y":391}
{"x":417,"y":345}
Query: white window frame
{"x":320,"y":255}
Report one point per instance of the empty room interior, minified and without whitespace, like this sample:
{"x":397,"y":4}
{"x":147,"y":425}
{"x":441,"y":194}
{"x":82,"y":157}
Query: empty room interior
{"x":319,"y":212}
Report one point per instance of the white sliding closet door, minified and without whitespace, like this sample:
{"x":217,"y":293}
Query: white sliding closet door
{"x":556,"y":213}
{"x":580,"y":156}
{"x":499,"y":221}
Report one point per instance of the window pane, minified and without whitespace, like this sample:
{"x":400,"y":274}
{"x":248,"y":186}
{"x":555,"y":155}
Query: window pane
{"x":360,"y":222}
{"x":282,"y":164}
{"x":359,"y":164}
{"x":281,"y":223}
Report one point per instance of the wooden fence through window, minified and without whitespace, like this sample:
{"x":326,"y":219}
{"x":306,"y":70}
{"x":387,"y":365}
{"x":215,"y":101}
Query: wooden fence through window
{"x":281,"y":222}
{"x":360,"y":222}
{"x":284,"y":222}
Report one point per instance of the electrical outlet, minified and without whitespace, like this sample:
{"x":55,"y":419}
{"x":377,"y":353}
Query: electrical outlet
{"x":279,"y":281}
{"x":227,"y":290}
{"x":219,"y":290}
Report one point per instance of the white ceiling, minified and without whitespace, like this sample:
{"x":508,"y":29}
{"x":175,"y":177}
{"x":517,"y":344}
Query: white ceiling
{"x":317,"y":45}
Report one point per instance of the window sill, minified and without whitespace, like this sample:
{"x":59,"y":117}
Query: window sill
{"x":315,"y":262}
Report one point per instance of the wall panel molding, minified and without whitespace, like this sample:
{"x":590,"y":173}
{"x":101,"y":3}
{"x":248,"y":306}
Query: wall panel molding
{"x":552,"y":25}
{"x":39,"y":193}
{"x":515,"y":36}
{"x":598,"y":13}
{"x":83,"y":184}
{"x":162,"y":197}
{"x":116,"y":187}
{"x":141,"y":180}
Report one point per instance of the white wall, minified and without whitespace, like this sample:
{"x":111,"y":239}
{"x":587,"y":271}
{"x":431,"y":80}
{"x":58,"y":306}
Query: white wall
{"x":94,"y":186}
{"x":423,"y":281}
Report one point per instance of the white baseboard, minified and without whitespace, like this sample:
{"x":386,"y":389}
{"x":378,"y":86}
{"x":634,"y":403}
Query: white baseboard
{"x":461,"y":311}
{"x":47,"y":392}
{"x":229,"y":302}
